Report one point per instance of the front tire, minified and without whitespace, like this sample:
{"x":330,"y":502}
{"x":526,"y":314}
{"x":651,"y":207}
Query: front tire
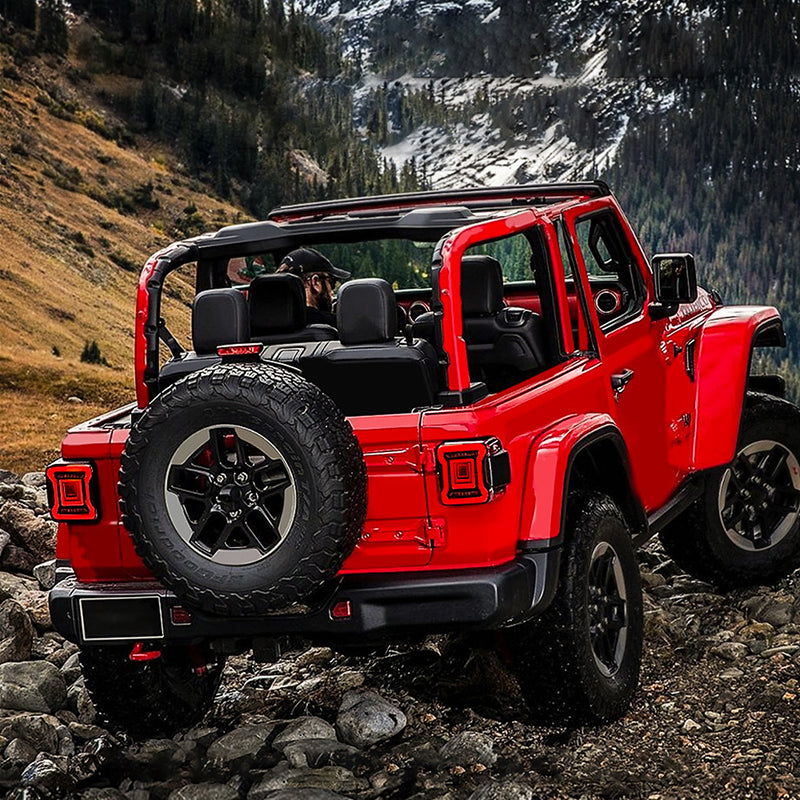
{"x":745,"y":529}
{"x":579,"y":662}
{"x":151,"y":698}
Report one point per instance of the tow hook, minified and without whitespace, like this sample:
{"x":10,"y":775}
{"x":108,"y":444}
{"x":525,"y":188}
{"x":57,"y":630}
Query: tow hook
{"x":140,"y":654}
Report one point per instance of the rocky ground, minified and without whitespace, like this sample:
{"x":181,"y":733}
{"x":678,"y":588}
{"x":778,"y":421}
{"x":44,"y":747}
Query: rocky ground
{"x":717,"y":714}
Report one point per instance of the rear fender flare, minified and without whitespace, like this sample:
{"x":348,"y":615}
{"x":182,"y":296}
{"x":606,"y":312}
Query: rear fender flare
{"x":550,"y":474}
{"x":724,"y":353}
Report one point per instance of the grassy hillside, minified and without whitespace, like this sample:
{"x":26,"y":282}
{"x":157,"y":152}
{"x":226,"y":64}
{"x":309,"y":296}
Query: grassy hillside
{"x":82,"y":205}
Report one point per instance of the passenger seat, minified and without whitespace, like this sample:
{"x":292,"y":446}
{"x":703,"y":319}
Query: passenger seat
{"x":372,"y":371}
{"x":278,"y":311}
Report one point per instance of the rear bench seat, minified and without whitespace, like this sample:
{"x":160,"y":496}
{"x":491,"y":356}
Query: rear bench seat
{"x":369,"y":371}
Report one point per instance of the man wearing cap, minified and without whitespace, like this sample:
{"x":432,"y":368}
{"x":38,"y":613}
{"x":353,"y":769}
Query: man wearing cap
{"x":319,"y":278}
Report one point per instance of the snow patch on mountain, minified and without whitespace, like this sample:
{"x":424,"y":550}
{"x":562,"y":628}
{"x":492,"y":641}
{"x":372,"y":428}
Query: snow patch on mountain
{"x":488,"y":139}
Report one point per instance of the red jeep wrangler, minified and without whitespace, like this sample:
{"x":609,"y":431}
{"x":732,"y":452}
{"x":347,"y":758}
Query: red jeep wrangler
{"x":483,"y":453}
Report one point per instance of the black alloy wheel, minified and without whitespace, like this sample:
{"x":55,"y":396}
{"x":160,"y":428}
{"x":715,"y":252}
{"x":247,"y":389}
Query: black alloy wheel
{"x":230,"y":494}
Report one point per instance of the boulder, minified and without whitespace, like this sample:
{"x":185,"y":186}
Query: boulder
{"x":331,"y":779}
{"x":304,"y":728}
{"x":240,"y":748}
{"x":37,"y":534}
{"x":322,"y":753}
{"x":467,"y":748}
{"x":45,"y":573}
{"x":16,"y":632}
{"x":365,"y":718}
{"x":503,"y":790}
{"x":205,"y":791}
{"x":32,"y":686}
{"x":48,"y":776}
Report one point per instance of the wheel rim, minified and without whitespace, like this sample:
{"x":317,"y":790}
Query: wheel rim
{"x":230,"y":494}
{"x":759,"y":495}
{"x":608,"y":607}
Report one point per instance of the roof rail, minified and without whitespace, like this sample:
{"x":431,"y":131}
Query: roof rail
{"x":485,"y":199}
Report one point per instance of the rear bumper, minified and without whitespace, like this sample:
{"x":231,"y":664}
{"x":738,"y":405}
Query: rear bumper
{"x":380,"y":606}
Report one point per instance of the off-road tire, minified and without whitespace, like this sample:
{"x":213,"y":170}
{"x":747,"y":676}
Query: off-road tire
{"x":151,"y":698}
{"x":323,"y":464}
{"x":698,"y":541}
{"x":555,"y":655}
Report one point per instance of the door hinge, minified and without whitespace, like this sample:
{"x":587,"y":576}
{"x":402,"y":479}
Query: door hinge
{"x":435,"y":532}
{"x":427,"y":460}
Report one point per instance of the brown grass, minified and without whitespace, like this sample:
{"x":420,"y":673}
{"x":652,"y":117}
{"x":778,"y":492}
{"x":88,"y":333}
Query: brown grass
{"x":69,"y":262}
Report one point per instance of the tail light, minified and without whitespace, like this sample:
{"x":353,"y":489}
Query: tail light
{"x":72,"y":492}
{"x":472,"y":471}
{"x":244,"y":351}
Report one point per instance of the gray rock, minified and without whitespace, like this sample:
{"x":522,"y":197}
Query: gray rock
{"x":35,"y":603}
{"x":240,"y":747}
{"x":5,"y":538}
{"x":36,"y":533}
{"x":16,"y":632}
{"x":84,"y":732}
{"x":299,"y":794}
{"x":17,"y":559}
{"x":79,"y":701}
{"x":365,"y":718}
{"x":108,"y":793}
{"x":19,"y":751}
{"x":36,"y":480}
{"x":6,"y":476}
{"x":314,"y":656}
{"x":469,"y":747}
{"x":14,"y":586}
{"x":321,"y":753}
{"x":304,"y":728}
{"x":332,"y":779}
{"x":503,"y":790}
{"x":730,"y":651}
{"x":48,"y":775}
{"x":39,"y":730}
{"x":32,"y":686}
{"x":775,"y":612}
{"x":205,"y":791}
{"x":157,"y":759}
{"x":44,"y":649}
{"x":71,"y":669}
{"x":45,"y":573}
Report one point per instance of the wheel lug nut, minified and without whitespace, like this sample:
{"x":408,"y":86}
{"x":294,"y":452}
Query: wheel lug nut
{"x":219,"y":479}
{"x":241,"y":477}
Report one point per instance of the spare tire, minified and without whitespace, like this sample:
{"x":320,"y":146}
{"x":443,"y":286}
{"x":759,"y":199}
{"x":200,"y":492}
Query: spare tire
{"x":243,"y":488}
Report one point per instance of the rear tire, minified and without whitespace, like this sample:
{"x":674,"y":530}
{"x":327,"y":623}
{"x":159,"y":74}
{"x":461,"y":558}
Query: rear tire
{"x":745,"y":528}
{"x":579,"y":662}
{"x":151,"y":698}
{"x":244,"y":488}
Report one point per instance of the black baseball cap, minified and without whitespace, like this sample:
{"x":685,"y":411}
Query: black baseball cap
{"x":306,"y":260}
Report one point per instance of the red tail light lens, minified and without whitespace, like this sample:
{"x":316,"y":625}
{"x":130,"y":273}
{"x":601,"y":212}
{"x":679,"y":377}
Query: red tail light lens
{"x":71,"y":492}
{"x":472,"y":471}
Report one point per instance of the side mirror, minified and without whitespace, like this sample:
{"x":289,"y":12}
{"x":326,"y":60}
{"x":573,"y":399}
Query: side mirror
{"x":675,"y":283}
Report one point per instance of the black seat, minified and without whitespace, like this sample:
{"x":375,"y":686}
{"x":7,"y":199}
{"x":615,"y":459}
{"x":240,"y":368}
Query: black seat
{"x":278,"y":311}
{"x":372,"y":371}
{"x":497,"y":335}
{"x":219,"y":316}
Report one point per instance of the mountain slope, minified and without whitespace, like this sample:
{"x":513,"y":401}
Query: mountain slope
{"x":82,"y":204}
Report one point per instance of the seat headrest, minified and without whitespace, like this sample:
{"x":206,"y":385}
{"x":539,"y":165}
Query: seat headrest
{"x":481,"y":286}
{"x":277,"y":304}
{"x":219,"y":316}
{"x":366,"y":312}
